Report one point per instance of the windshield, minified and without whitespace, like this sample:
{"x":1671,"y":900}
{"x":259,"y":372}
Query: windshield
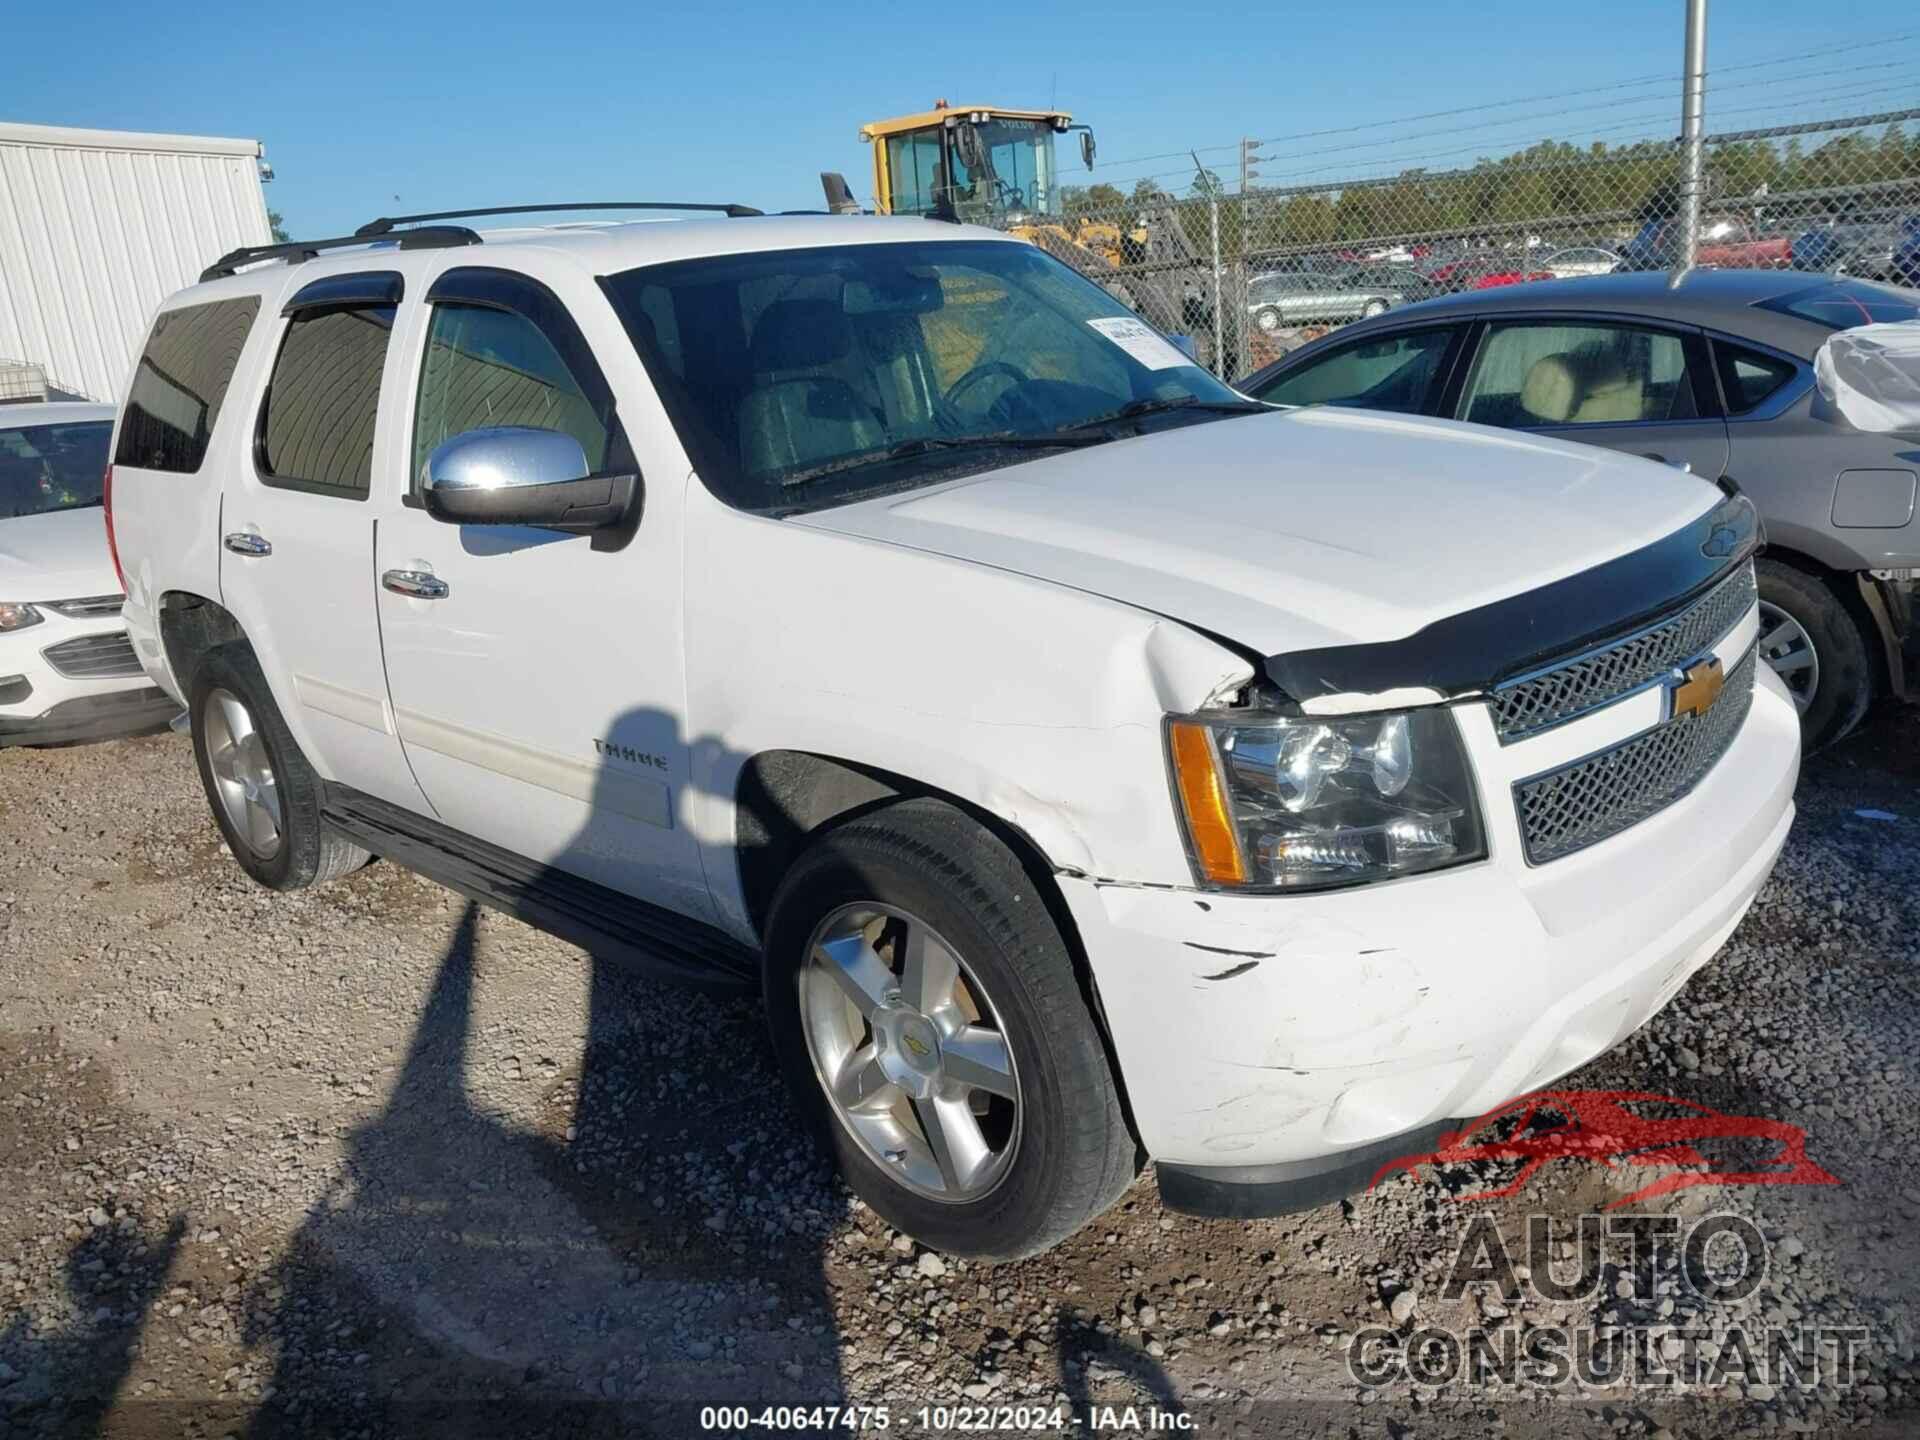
{"x":1847,"y":303}
{"x":798,"y":378}
{"x":51,"y":467}
{"x":1013,"y":173}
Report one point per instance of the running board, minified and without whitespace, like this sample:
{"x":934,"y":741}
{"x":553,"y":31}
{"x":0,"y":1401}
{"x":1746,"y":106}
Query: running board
{"x":604,"y":922}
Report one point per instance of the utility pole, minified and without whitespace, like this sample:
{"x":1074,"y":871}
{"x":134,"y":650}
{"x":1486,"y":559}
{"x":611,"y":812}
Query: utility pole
{"x":1693,"y":114}
{"x":1249,"y":157}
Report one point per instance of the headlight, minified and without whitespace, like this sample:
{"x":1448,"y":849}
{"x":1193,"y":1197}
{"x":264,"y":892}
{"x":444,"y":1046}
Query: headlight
{"x":1309,"y":802}
{"x":17,"y":616}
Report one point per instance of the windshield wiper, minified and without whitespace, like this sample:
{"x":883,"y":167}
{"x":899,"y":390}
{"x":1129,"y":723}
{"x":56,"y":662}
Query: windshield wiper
{"x":929,"y":444}
{"x":1135,"y":409}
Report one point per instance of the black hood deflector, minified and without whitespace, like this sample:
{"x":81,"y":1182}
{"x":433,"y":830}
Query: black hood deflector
{"x":1472,"y":652}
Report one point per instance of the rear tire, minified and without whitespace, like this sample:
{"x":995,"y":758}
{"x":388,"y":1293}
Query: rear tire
{"x":1268,"y":320}
{"x":1065,"y":1153}
{"x":1817,"y":647}
{"x":264,"y":795}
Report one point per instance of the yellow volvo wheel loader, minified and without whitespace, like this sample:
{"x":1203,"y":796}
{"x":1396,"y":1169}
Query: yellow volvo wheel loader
{"x":991,"y":165}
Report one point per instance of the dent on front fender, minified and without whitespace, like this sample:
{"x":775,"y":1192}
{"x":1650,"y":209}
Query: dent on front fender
{"x":1162,"y":668}
{"x":1039,"y":704}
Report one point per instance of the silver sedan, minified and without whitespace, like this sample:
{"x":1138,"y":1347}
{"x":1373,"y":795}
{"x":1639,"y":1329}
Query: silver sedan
{"x":1296,"y":299}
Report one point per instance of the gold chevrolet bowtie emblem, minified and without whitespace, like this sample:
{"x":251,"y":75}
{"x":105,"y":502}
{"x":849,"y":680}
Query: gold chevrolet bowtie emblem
{"x":913,"y":1043}
{"x":1697,"y":687}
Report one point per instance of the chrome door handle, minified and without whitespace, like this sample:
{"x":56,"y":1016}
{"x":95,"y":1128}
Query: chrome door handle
{"x":418,"y":584}
{"x":245,"y":542}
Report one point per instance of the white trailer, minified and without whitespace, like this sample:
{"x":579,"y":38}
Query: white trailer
{"x":96,"y":228}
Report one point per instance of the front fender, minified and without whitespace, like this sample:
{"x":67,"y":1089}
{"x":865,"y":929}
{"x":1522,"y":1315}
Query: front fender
{"x":1039,"y":704}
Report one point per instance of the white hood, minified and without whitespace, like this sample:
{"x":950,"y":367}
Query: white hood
{"x":57,"y":556}
{"x":1301,"y":529}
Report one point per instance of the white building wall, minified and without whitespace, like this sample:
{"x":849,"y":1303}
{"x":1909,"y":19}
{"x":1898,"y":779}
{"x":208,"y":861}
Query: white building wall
{"x":98,"y":226}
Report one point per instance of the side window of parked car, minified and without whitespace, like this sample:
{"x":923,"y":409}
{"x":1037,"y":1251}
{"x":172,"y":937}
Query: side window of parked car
{"x":1542,"y":374}
{"x":487,"y":367}
{"x":180,"y":383}
{"x":1749,"y":377}
{"x":316,"y":423}
{"x":1394,"y":372}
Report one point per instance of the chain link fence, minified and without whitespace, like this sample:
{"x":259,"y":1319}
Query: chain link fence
{"x":1250,"y":275}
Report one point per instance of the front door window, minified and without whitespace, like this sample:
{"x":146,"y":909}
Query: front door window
{"x":1392,"y":372}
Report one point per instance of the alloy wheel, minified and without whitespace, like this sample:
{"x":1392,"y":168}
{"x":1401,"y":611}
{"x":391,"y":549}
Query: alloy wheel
{"x":1786,"y":646}
{"x":242,"y":772}
{"x":907,"y":1047}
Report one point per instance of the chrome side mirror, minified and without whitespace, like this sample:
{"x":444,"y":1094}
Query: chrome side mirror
{"x":518,"y":475}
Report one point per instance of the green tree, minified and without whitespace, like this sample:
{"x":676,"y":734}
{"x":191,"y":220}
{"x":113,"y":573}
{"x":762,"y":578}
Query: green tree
{"x":1091,"y":199}
{"x":277,"y":227}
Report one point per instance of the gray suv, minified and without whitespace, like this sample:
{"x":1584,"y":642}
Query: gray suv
{"x":1715,"y":376}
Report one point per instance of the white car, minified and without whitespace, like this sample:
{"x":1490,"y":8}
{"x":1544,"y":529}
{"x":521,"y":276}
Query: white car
{"x":1581,"y":260}
{"x":67,"y":671}
{"x":1088,"y":764}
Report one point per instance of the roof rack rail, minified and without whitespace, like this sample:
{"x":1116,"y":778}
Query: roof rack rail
{"x":427,"y":237}
{"x":385,"y":224}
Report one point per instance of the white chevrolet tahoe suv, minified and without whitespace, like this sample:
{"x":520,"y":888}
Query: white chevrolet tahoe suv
{"x":1087,"y":764}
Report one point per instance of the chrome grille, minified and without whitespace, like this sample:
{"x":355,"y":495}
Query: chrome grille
{"x":1601,"y":676}
{"x":89,"y":607}
{"x":94,"y":657}
{"x":1600,"y":795}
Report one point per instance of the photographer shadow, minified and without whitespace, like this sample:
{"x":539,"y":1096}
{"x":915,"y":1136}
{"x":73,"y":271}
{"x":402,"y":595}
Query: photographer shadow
{"x":660,"y":1252}
{"x":71,"y":1379}
{"x":1081,"y":1350}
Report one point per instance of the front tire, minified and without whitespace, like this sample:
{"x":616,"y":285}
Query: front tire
{"x":264,"y":796}
{"x":1267,"y":319}
{"x":1817,"y":648}
{"x":933,"y":1031}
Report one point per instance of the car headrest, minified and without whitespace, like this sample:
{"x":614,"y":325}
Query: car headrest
{"x":1552,"y":389}
{"x":799,"y":335}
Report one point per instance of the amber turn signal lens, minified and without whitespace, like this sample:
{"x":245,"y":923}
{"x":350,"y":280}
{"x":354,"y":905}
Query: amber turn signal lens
{"x":1196,"y":772}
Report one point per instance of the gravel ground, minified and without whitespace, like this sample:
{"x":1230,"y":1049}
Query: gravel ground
{"x":366,"y":1160}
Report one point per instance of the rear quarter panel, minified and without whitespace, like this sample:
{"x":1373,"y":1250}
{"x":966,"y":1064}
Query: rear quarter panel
{"x":1790,"y":466}
{"x":166,"y":526}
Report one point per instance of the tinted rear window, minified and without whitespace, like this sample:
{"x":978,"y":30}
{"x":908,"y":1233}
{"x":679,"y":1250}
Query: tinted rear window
{"x":180,"y":383}
{"x":1845,"y":304}
{"x":316,"y":423}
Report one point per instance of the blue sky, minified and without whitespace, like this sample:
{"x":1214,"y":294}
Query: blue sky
{"x":430,"y":104}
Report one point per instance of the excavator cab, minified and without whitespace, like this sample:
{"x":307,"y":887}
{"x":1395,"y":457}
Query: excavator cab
{"x":976,"y":163}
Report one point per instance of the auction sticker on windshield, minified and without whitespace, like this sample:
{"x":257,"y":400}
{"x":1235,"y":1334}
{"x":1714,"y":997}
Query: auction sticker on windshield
{"x":1141,"y":341}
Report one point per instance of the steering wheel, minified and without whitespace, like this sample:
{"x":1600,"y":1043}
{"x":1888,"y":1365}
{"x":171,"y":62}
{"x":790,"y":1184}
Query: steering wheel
{"x":985,"y":370}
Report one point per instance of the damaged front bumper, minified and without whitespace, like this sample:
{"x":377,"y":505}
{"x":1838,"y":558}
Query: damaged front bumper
{"x":1278,"y":1045}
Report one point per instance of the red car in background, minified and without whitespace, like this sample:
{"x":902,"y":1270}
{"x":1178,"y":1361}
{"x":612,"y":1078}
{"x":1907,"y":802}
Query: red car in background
{"x":1726,"y":243}
{"x":1482,"y":272}
{"x":1501,"y":273}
